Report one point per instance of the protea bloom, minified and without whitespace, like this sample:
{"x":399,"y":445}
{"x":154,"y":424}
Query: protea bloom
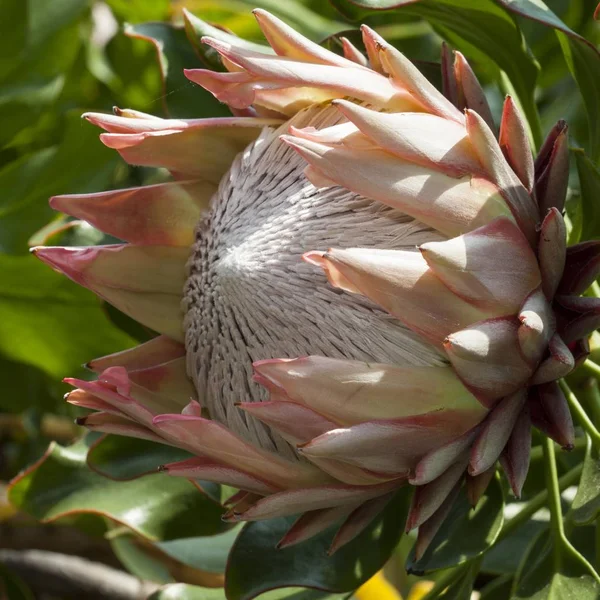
{"x":357,"y":286}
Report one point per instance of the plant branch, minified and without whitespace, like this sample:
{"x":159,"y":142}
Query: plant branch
{"x":552,"y":486}
{"x":538,"y":502}
{"x":65,"y":575}
{"x":580,"y":413}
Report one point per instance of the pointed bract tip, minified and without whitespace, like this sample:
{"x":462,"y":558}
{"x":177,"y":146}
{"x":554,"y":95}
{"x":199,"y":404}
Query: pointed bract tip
{"x":315,"y":257}
{"x":80,"y":421}
{"x":162,"y":468}
{"x":568,"y":447}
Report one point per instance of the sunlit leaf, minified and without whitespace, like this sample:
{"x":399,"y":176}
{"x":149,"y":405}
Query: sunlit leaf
{"x":466,"y":532}
{"x":543,"y":576}
{"x":157,"y":507}
{"x":124,"y":458}
{"x":204,"y":553}
{"x":181,"y":97}
{"x":81,"y":163}
{"x":586,"y":504}
{"x":58,"y":324}
{"x":589,"y":182}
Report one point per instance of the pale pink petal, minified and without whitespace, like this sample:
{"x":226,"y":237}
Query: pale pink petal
{"x":136,"y":288}
{"x":579,"y":316}
{"x":514,"y":143}
{"x":296,"y":423}
{"x":360,"y":518}
{"x":428,"y":529}
{"x":469,"y":91}
{"x":312,"y":523}
{"x":538,"y":325}
{"x":115,"y":390}
{"x":515,"y":457}
{"x":168,"y":380}
{"x":478,"y":484}
{"x":550,"y":413}
{"x":402,"y":283}
{"x":351,"y":52}
{"x":422,"y":138}
{"x":559,"y":364}
{"x":404,"y":74}
{"x":428,"y":498}
{"x":351,"y":474}
{"x":204,"y":149}
{"x":350,"y":392}
{"x":163,"y":214}
{"x":391,"y":447}
{"x":371,"y":42}
{"x":211,"y":439}
{"x":207,"y":469}
{"x":582,"y":267}
{"x":493,"y":264}
{"x":123,"y":266}
{"x":83,"y":399}
{"x":281,"y":72}
{"x":160,"y":349}
{"x":552,"y":251}
{"x":495,"y":431}
{"x":487,"y":358}
{"x":300,"y":500}
{"x":552,"y":170}
{"x":286,"y":41}
{"x":438,"y":460}
{"x":110,"y":423}
{"x":489,"y":153}
{"x":450,"y":205}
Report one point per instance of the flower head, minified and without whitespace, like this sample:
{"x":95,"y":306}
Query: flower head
{"x":357,"y":288}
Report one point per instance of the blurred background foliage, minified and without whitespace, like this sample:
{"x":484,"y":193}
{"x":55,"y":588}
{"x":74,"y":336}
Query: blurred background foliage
{"x":60,"y":58}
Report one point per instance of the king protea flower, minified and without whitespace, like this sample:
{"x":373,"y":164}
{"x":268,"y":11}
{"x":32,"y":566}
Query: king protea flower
{"x":357,"y":286}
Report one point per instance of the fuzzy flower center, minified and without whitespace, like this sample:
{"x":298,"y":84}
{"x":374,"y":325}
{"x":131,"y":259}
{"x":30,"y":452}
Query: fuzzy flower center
{"x":250,"y":296}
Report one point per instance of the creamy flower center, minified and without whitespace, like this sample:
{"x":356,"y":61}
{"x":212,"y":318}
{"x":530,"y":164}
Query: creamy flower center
{"x":250,"y":296}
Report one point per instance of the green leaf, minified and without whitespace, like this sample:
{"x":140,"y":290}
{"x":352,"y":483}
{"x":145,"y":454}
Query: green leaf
{"x":30,"y":28}
{"x":181,"y":98}
{"x":203,"y":553}
{"x":140,"y":10}
{"x":462,"y":588}
{"x":57,"y":323}
{"x":466,"y":532}
{"x":157,"y":507}
{"x":586,"y":504}
{"x":123,"y":458}
{"x":138,"y":562}
{"x":541,"y":578}
{"x":483,"y":31}
{"x":498,"y":589}
{"x":196,"y":29}
{"x":300,"y":17}
{"x":506,"y":555}
{"x":255,"y":565}
{"x":589,"y":182}
{"x":80,"y":164}
{"x":583,"y":61}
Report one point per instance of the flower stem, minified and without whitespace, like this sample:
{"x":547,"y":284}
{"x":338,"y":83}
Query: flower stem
{"x":592,"y":367}
{"x":556,"y":522}
{"x":537,"y":502}
{"x":446,"y":580}
{"x":580,"y":413}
